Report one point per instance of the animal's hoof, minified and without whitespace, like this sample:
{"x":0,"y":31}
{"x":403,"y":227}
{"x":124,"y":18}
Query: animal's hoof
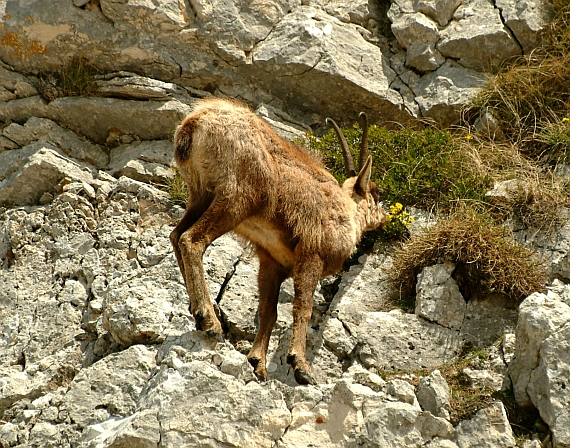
{"x":303,"y":378}
{"x":261,"y":376}
{"x":215,"y":335}
{"x":253,"y":361}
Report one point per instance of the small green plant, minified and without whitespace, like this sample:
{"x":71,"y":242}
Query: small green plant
{"x":177,"y":189}
{"x":399,"y":221}
{"x":557,"y":138}
{"x":423,"y":168}
{"x":75,"y":78}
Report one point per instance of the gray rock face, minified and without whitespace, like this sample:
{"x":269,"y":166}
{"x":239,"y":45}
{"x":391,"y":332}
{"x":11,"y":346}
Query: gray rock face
{"x":455,"y":83}
{"x":97,"y":346}
{"x":43,"y":168}
{"x":434,"y":395}
{"x":47,"y":131}
{"x":304,"y":53}
{"x":93,"y":398}
{"x":554,"y":246}
{"x":289,"y":53}
{"x":525,"y":19}
{"x":489,"y":428}
{"x":478,"y":39}
{"x":540,"y":367}
{"x":438,"y":298}
{"x":407,"y":342}
{"x":148,"y":161}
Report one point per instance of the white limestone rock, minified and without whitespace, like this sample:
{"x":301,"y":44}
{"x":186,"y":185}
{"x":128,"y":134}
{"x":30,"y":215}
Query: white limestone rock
{"x":489,"y":428}
{"x":477,"y":38}
{"x":433,"y":395}
{"x":148,"y":161}
{"x":111,"y":387}
{"x":540,"y":317}
{"x":525,"y":19}
{"x":47,"y":131}
{"x":315,"y":56}
{"x":441,"y":93}
{"x":42,"y":168}
{"x":439,"y":10}
{"x":404,"y":341}
{"x":484,"y":379}
{"x":412,"y":29}
{"x":507,"y":190}
{"x":438,"y":298}
{"x":139,"y":430}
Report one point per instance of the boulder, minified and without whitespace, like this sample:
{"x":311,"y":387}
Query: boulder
{"x":148,"y":161}
{"x":438,"y":298}
{"x":541,"y":317}
{"x":477,"y":39}
{"x":14,"y":85}
{"x":439,"y":10}
{"x":548,"y":382}
{"x":489,"y":428}
{"x":394,"y":340}
{"x":43,"y":167}
{"x":441,"y":93}
{"x":111,"y":387}
{"x":142,"y":429}
{"x":525,"y":19}
{"x":311,"y":60}
{"x":434,"y":395}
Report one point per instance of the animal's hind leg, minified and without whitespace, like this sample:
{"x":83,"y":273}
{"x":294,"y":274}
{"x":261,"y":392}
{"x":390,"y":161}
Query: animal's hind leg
{"x":308,"y":270}
{"x":271,"y":275}
{"x":217,"y":220}
{"x":194,"y":210}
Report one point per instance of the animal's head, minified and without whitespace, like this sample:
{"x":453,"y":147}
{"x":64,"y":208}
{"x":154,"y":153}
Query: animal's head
{"x":363,"y":191}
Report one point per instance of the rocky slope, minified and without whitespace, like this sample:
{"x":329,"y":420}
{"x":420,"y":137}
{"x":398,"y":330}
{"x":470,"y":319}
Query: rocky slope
{"x":97,"y":347}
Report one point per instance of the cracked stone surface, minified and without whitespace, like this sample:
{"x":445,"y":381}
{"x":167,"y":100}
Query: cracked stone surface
{"x":98,"y":348}
{"x":311,"y":59}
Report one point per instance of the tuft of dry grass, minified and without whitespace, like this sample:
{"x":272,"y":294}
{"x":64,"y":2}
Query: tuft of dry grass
{"x":540,"y":205}
{"x":531,"y":95}
{"x":483,"y":251}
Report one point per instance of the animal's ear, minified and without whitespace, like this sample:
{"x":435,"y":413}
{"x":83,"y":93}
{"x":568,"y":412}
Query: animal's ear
{"x":363,"y":180}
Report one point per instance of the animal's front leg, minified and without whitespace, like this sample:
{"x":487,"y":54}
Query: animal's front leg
{"x":308,"y":270}
{"x":271,"y":275}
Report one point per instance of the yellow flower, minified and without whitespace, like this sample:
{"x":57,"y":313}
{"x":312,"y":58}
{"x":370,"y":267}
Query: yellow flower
{"x":468,"y":137}
{"x":565,"y":119}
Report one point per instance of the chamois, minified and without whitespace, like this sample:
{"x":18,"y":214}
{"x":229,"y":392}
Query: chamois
{"x":243,"y":177}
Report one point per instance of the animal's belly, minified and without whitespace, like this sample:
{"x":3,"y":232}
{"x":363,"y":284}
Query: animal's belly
{"x":268,"y":237}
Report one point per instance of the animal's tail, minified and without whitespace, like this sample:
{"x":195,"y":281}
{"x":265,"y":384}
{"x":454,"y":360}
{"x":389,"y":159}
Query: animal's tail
{"x":183,"y":139}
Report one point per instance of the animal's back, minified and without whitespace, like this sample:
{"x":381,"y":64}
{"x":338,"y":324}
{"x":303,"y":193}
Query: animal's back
{"x":226,"y":141}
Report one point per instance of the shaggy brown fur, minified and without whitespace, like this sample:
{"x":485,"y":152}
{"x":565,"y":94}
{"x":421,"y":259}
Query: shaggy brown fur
{"x":243,"y":177}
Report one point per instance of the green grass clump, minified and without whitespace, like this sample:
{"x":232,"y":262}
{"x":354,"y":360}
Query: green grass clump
{"x":177,"y":189}
{"x":424,"y":169}
{"x":483,"y":252}
{"x":75,"y":78}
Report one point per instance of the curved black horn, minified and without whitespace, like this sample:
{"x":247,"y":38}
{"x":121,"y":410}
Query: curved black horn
{"x":364,"y":143}
{"x":348,"y":162}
